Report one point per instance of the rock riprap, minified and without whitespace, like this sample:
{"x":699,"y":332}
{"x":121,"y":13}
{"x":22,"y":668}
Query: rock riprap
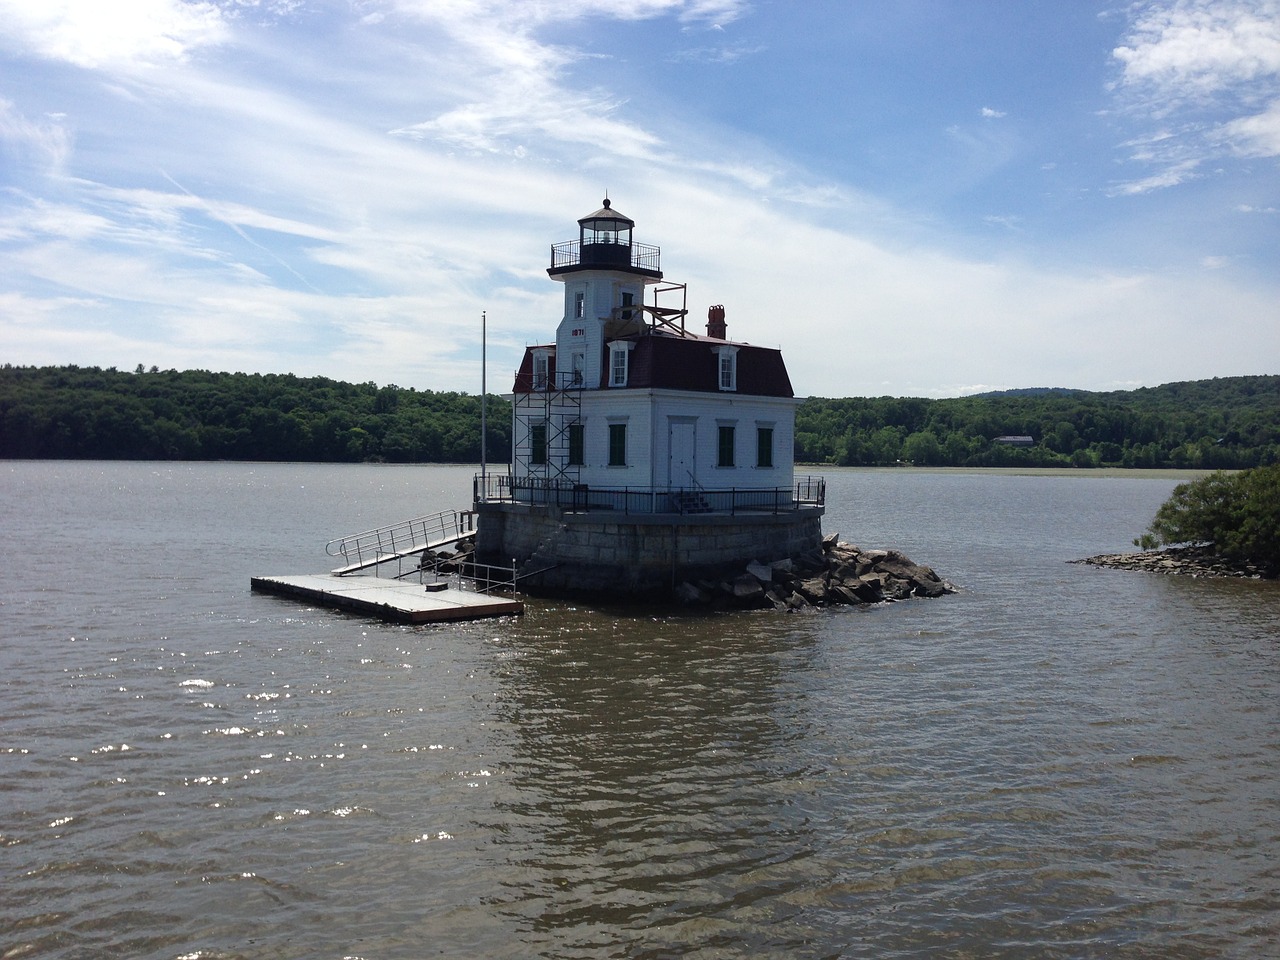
{"x":1192,"y":561}
{"x":839,"y":574}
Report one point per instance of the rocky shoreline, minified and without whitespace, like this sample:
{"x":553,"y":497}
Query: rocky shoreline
{"x":839,"y":574}
{"x":1195,"y":561}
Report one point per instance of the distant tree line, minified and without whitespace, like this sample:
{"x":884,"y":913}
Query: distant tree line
{"x":1225,"y":423}
{"x":90,"y":413}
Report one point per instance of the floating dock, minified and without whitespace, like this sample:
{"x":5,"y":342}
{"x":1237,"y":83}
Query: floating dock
{"x":387,"y":599}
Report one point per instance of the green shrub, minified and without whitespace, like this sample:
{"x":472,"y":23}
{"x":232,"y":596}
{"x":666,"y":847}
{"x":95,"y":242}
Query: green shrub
{"x":1238,"y":514}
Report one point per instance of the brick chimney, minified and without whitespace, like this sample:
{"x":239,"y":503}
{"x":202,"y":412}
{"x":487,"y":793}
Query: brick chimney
{"x":716,"y":326}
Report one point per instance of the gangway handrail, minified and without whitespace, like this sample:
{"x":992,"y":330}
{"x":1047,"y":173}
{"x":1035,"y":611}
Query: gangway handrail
{"x":398,"y":540}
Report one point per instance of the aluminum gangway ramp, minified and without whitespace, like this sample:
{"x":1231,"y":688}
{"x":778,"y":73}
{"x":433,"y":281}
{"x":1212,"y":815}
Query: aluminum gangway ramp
{"x":399,"y":540}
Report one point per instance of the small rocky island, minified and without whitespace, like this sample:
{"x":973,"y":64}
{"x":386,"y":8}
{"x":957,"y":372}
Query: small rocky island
{"x":1194,"y":560}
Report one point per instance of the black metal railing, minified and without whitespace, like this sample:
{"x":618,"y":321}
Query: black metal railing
{"x":806,"y":492}
{"x":573,"y":253}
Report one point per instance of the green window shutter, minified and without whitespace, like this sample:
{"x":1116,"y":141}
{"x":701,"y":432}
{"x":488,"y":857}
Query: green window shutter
{"x":724,"y":456}
{"x":538,"y":443}
{"x":764,"y":446}
{"x":617,"y":444}
{"x":576,"y":445}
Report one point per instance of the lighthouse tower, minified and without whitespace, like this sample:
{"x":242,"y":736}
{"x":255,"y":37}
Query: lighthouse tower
{"x":604,"y":273}
{"x":641,"y":449}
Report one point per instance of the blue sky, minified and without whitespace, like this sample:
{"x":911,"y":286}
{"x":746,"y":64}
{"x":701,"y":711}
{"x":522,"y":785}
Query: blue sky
{"x":911,"y":198}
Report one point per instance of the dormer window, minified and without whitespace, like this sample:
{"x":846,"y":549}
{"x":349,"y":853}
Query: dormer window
{"x":619,"y":353}
{"x":727,"y":367}
{"x":541,"y":369}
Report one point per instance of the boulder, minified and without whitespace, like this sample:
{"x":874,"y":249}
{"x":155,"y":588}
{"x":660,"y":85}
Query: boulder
{"x":868,"y":589}
{"x":797,"y":602}
{"x":839,"y":574}
{"x":814,"y":590}
{"x":842,"y":593}
{"x":930,"y":588}
{"x":691,"y":593}
{"x":895,"y":589}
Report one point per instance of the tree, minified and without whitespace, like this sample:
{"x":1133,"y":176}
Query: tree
{"x":1238,"y":514}
{"x":922,"y":447}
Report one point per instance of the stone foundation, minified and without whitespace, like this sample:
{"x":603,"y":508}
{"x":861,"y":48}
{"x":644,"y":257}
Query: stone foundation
{"x":559,"y":551}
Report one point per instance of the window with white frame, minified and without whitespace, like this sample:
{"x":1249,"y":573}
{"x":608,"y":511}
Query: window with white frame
{"x":578,"y":364}
{"x":579,"y":303}
{"x":619,"y":354}
{"x":727,"y":367}
{"x":541,"y":369}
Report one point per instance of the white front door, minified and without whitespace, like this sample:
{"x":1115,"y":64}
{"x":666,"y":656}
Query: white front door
{"x":682,"y":460}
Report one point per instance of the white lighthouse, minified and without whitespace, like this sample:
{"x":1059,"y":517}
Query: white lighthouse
{"x":642,"y":450}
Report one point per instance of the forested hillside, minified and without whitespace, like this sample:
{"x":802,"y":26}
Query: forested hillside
{"x":87,"y":413}
{"x":1229,"y":422}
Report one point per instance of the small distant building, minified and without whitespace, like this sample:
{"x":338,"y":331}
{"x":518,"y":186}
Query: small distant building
{"x":1016,"y":441}
{"x":643,"y":453}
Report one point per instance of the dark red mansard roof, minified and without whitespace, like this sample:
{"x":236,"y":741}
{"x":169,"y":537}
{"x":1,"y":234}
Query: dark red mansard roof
{"x":660,"y":361}
{"x":524,"y":376}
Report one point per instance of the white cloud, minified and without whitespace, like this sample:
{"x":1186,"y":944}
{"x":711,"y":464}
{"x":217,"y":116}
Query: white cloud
{"x":1200,"y":69}
{"x":730,"y":53}
{"x":418,"y":159}
{"x":119,"y":33}
{"x":1196,"y":48}
{"x":1255,"y":136}
{"x":1170,"y":176}
{"x":992,"y":113}
{"x":49,"y":139}
{"x":513,"y":80}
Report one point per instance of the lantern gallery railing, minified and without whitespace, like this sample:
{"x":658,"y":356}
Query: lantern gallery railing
{"x":572,"y":253}
{"x":806,"y":492}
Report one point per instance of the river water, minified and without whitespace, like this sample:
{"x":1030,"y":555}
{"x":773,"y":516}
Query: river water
{"x":1058,"y":761}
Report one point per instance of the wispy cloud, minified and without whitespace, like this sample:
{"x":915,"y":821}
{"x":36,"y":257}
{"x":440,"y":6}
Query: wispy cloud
{"x":1255,"y":136}
{"x":725,"y":53}
{"x":1168,"y":176}
{"x":1201,"y":69}
{"x":47,"y":138}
